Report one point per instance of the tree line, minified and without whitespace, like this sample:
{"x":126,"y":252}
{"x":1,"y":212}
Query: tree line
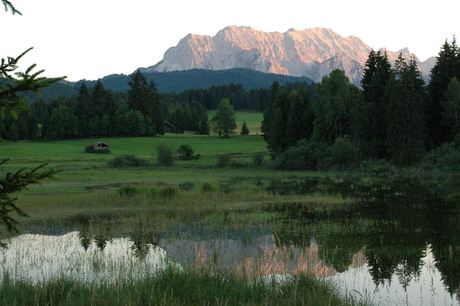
{"x":394,"y":116}
{"x":98,"y":112}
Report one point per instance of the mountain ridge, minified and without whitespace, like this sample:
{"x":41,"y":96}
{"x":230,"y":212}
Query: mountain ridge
{"x":311,"y":53}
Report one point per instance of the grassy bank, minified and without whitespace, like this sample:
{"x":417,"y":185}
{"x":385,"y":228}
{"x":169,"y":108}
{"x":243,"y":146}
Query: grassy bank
{"x":172,"y":287}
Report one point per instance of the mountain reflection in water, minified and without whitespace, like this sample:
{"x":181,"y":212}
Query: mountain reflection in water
{"x":393,"y":242}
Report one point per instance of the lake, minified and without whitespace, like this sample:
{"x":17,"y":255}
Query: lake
{"x":390,"y":242}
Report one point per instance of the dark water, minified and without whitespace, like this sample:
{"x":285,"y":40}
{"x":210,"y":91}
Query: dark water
{"x":392,"y":242}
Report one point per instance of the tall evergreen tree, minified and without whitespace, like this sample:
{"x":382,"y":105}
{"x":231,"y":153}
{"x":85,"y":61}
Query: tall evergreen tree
{"x":405,"y":116}
{"x":144,"y":97}
{"x":451,"y":108}
{"x":447,"y":67}
{"x":85,"y":110}
{"x":299,"y":123}
{"x":102,"y":100}
{"x":372,"y":126}
{"x":154,"y":109}
{"x":275,"y":120}
{"x":244,"y":129}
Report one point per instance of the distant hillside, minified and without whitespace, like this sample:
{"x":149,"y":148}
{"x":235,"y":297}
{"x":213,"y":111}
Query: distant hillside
{"x":177,"y":81}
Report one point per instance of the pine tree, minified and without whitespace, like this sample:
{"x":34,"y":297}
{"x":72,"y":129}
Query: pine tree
{"x":372,"y":131}
{"x":405,"y":116}
{"x":85,"y":110}
{"x":275,"y":121}
{"x":244,"y":129}
{"x":154,"y":110}
{"x":102,"y":100}
{"x":447,"y":67}
{"x":145,"y":98}
{"x":300,"y":119}
{"x":451,"y":108}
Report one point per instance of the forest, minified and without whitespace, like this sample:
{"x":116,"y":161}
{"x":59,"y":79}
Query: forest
{"x":393,"y":116}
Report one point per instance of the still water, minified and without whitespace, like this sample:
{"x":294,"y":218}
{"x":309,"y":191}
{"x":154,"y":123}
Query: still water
{"x":396,"y":242}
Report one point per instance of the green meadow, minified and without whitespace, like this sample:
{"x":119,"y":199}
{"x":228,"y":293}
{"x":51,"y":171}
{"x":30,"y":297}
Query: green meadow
{"x":253,"y":121}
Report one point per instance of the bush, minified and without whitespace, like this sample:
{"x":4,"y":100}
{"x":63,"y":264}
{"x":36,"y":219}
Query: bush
{"x":165,"y":155}
{"x":375,"y":166}
{"x":127,"y":161}
{"x":224,"y":160}
{"x":304,"y":156}
{"x":152,"y":193}
{"x":127,"y":191}
{"x":185,"y":152}
{"x":187,"y":186}
{"x":208,"y":188}
{"x":168,"y":192}
{"x":258,"y":159}
{"x":343,"y":154}
{"x":445,"y":156}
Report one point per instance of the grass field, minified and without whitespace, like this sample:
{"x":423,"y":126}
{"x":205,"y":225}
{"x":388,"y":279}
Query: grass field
{"x":253,"y":120}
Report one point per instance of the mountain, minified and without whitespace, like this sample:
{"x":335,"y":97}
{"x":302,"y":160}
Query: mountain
{"x":310,"y":53}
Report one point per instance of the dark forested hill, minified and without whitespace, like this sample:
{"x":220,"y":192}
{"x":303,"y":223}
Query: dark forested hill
{"x":177,"y":81}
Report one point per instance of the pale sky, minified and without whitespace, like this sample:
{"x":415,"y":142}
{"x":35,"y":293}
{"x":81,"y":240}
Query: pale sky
{"x":89,"y":39}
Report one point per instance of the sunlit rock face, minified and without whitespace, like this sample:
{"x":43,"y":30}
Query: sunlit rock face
{"x":313,"y":53}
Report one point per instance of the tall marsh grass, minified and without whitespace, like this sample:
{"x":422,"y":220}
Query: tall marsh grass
{"x":174,"y":287}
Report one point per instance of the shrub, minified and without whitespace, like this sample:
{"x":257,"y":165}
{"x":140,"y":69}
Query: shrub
{"x":375,"y":166}
{"x":304,"y":156}
{"x":225,"y":187}
{"x":445,"y":156}
{"x":185,"y":152}
{"x":168,"y":192}
{"x":127,"y":161}
{"x":127,"y":190}
{"x":207,"y":187}
{"x":224,"y":160}
{"x":165,"y":155}
{"x":187,"y":186}
{"x":343,"y":154}
{"x":258,"y":159}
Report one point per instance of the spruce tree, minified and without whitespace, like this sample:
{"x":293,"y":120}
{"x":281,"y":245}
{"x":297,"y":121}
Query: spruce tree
{"x":372,"y":131}
{"x":275,"y":121}
{"x":405,"y":116}
{"x":244,"y":129}
{"x":447,"y":67}
{"x":85,"y":110}
{"x":299,"y":123}
{"x":451,"y":108}
{"x":154,"y":109}
{"x":102,"y":100}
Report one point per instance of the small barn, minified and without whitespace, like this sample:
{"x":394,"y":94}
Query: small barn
{"x":98,"y":147}
{"x":169,"y":128}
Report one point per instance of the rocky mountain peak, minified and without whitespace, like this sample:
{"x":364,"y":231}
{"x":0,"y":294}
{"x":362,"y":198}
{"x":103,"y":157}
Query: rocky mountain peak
{"x":310,"y":52}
